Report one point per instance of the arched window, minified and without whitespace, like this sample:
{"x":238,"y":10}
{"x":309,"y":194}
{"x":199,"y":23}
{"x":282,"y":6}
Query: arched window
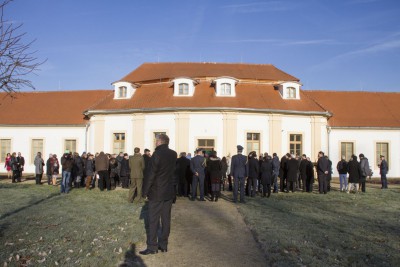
{"x":183,"y":89}
{"x":226,"y":89}
{"x":291,"y":92}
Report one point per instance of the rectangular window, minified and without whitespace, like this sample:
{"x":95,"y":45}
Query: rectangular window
{"x":206,"y":144}
{"x":118,"y":143}
{"x":183,"y":89}
{"x":226,"y":89}
{"x":382,"y":149}
{"x":347,"y":150}
{"x":122,"y":92}
{"x":296,"y":144}
{"x":291,"y":92}
{"x":155,"y":134}
{"x":5,"y":147}
{"x":253,"y":143}
{"x":70,"y":145}
{"x":37,"y":146}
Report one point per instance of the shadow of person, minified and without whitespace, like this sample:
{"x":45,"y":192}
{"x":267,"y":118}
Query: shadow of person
{"x":131,"y":259}
{"x":144,"y":215}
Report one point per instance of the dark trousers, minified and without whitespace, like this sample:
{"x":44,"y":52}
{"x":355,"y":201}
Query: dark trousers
{"x":362,"y":186}
{"x":48,"y":179}
{"x":38,"y":178}
{"x":309,"y":185}
{"x":16,"y":176}
{"x":304,"y":183}
{"x":183,"y":187}
{"x":291,"y":186}
{"x":159,"y":216}
{"x":124,"y":181}
{"x":282,"y":184}
{"x":266,"y":190}
{"x":384,"y":181}
{"x":238,"y":182}
{"x":104,"y":180}
{"x":252,"y":182}
{"x":230,"y":182}
{"x":275,"y":179}
{"x":322,"y":183}
{"x":198,"y":180}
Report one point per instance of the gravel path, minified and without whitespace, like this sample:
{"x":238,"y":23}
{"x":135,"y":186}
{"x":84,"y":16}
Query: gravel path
{"x":206,"y":234}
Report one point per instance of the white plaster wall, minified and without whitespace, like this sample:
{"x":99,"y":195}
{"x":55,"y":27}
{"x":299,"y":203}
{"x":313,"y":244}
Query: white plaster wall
{"x":53,"y":141}
{"x":159,"y":123}
{"x":206,"y":126}
{"x":296,"y":125}
{"x":257,"y":123}
{"x":365,"y":142}
{"x":117,"y":124}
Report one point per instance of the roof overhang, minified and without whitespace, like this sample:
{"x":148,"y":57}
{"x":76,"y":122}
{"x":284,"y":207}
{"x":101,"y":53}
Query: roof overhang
{"x":217,"y":109}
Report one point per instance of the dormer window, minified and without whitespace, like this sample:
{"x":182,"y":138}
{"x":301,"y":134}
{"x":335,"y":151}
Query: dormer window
{"x":184,"y":86}
{"x":183,"y":89}
{"x":226,"y":89}
{"x":124,"y":90}
{"x":225,"y":86}
{"x":289,"y":90}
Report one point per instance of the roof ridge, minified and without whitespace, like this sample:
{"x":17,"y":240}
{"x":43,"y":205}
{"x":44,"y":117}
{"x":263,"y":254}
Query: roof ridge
{"x":206,"y":62}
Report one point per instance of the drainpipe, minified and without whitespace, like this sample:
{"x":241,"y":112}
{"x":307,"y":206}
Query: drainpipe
{"x":329,"y":129}
{"x":86,"y":136}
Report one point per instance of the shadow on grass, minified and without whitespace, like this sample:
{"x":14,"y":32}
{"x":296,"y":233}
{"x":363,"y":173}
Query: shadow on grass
{"x":131,"y":259}
{"x":7,"y":214}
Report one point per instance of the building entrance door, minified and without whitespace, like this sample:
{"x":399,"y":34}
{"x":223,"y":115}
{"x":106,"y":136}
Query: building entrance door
{"x":207,"y":145}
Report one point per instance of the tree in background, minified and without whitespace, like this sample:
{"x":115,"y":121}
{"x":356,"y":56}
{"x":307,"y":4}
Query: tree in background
{"x":16,"y":59}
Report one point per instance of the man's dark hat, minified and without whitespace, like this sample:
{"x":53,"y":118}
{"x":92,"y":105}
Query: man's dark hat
{"x":239,"y":148}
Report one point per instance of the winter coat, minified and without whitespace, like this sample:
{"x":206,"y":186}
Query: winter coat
{"x":102,"y":162}
{"x":39,"y":163}
{"x":78,"y":166}
{"x":266,"y":170}
{"x":224,"y":168}
{"x":89,"y":167}
{"x":124,"y":170}
{"x":282,"y":168}
{"x":7,"y":164}
{"x":342,"y":167}
{"x":383,"y":167}
{"x":158,"y":185}
{"x":137,"y":165}
{"x":354,"y":171}
{"x":67,"y":162}
{"x":182,"y":171}
{"x":49,"y":166}
{"x":365,"y":170}
{"x":254,"y":168}
{"x":310,"y":171}
{"x":214,"y":168}
{"x":303,"y":168}
{"x":275,"y":165}
{"x":292,"y":167}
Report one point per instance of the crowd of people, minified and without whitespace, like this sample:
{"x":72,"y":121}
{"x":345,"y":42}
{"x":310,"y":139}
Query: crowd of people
{"x":204,"y":174}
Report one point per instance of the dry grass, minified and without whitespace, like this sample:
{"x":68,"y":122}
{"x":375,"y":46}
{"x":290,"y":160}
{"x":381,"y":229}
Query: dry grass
{"x":39,"y":226}
{"x":337,"y":229}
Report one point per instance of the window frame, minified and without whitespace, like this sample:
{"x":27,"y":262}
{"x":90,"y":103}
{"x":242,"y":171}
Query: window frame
{"x":122,"y":91}
{"x":3,"y":157}
{"x":183,"y":91}
{"x":114,"y":142}
{"x":33,"y":153}
{"x":345,"y":154}
{"x":252,"y":142}
{"x":295,"y":142}
{"x":378,"y":153}
{"x":70,"y":139}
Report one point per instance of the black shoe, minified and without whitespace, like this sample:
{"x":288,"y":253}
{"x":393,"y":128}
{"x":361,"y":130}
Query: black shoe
{"x":147,"y":252}
{"x":192,"y":198}
{"x":162,"y":249}
{"x":216,"y":199}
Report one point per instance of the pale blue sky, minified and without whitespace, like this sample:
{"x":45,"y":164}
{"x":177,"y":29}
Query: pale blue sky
{"x":330,"y":45}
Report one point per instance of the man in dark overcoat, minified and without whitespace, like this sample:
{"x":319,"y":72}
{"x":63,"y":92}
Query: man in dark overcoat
{"x":292,"y":168}
{"x":182,"y":166}
{"x":254,"y":170}
{"x":158,"y":187}
{"x":322,"y":172}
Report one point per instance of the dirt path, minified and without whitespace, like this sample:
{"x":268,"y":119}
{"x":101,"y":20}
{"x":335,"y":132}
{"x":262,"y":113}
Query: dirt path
{"x":207,"y":234}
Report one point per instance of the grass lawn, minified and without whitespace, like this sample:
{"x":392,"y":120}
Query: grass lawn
{"x":40,"y":226}
{"x":337,"y":229}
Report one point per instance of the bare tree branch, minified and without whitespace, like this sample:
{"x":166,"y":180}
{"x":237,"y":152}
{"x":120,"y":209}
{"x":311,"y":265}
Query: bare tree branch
{"x":16,"y":59}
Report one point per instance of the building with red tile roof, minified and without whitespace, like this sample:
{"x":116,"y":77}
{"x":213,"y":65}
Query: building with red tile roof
{"x":215,"y":106}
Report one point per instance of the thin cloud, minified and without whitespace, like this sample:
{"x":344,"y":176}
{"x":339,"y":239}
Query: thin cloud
{"x":258,"y":7}
{"x":282,"y":42}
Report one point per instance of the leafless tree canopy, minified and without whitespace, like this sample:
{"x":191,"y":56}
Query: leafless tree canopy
{"x":16,"y":59}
